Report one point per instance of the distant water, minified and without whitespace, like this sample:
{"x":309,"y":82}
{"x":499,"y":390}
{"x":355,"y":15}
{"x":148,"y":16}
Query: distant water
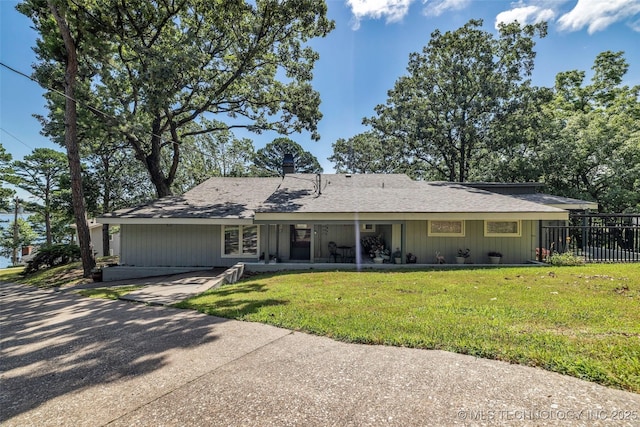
{"x":5,"y":219}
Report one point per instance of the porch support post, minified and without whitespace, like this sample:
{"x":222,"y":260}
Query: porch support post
{"x":396,"y":237}
{"x":403,"y":246}
{"x":312,"y":248}
{"x":540,"y":256}
{"x":278,"y":240}
{"x":267,"y":258}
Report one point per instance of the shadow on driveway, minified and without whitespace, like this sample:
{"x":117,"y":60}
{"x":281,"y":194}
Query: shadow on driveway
{"x":55,"y":343}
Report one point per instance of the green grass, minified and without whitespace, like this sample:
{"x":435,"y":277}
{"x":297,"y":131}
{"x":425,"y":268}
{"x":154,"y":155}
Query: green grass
{"x":62,"y":275}
{"x":10,"y":274}
{"x":109,"y":293}
{"x":580,"y":321}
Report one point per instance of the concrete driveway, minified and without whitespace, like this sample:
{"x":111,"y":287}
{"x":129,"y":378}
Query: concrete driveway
{"x":73,"y":361}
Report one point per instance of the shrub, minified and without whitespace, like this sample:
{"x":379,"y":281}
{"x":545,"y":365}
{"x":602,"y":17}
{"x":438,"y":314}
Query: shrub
{"x":566,"y":258}
{"x":52,"y":255}
{"x":464,"y":253}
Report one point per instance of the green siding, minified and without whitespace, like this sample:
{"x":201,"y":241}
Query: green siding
{"x":514,"y":249}
{"x":165,"y":245}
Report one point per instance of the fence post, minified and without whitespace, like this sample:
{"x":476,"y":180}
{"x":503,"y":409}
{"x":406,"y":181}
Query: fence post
{"x":584,"y":233}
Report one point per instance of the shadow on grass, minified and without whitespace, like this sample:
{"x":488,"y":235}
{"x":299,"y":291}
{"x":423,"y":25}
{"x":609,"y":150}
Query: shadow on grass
{"x":222,"y":301}
{"x":238,"y":288}
{"x":56,"y":343}
{"x":236,"y":309}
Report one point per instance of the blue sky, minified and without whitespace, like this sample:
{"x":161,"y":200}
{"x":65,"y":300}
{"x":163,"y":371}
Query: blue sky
{"x":363,"y":57}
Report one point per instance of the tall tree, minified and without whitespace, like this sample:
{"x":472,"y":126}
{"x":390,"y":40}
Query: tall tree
{"x":5,"y":172}
{"x":40,"y":174}
{"x":112,"y":177}
{"x":268,"y":160}
{"x":213,"y":154}
{"x":517,"y":139}
{"x":456,"y":89}
{"x":595,"y":149}
{"x":67,"y":32}
{"x":178,"y":61}
{"x":368,"y":152}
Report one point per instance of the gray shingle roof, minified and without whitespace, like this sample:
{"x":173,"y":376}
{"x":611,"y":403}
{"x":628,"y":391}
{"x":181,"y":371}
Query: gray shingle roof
{"x":241,"y":198}
{"x":387,"y":194}
{"x":216,"y":197}
{"x":551,"y":200}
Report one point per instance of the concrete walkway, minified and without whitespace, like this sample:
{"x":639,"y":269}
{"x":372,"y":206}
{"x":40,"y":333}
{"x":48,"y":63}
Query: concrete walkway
{"x":164,"y":290}
{"x":67,"y":360}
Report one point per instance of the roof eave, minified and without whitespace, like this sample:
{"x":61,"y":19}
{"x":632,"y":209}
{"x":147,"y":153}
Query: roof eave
{"x":170,"y":220}
{"x":265,"y":217}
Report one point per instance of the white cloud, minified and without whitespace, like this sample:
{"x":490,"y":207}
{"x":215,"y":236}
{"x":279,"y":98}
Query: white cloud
{"x":438,"y":7}
{"x":525,"y":15}
{"x":597,"y":15}
{"x":393,"y":10}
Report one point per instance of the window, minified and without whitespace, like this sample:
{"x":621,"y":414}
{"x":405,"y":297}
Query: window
{"x":445,"y":228}
{"x":502,"y":228}
{"x":368,"y":228}
{"x":240,"y":240}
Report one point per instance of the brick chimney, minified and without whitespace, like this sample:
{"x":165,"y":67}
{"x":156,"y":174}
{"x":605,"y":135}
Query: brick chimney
{"x":288,"y":165}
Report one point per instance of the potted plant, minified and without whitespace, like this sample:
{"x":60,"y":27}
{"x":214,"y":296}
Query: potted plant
{"x":462,"y":256}
{"x":494,"y":257}
{"x":397,"y":256}
{"x":96,"y":274}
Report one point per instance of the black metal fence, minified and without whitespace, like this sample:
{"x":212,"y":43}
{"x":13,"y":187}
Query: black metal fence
{"x":596,"y":237}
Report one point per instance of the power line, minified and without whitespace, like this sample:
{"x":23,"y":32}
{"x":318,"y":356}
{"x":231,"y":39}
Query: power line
{"x":35,"y":81}
{"x":16,"y":138}
{"x":91,"y":108}
{"x":62,"y":93}
{"x":87,"y":106}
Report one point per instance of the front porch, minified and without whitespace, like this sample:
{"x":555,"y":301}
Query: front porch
{"x":355,"y":242}
{"x":332,"y":243}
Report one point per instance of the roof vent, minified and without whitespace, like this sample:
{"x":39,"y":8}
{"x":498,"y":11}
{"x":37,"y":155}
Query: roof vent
{"x":348,"y":175}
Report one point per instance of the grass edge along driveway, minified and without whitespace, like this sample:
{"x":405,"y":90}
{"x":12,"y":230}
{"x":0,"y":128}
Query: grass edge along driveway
{"x":580,"y":321}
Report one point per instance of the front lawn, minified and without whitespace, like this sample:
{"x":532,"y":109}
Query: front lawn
{"x":59,"y":276}
{"x":581,"y":321}
{"x":10,"y":274}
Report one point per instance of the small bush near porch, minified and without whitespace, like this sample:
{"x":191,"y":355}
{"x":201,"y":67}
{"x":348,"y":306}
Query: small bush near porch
{"x":580,"y":321}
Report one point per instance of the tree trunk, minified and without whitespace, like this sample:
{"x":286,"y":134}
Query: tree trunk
{"x":106,"y":206}
{"x":157,"y":176}
{"x":47,"y":219}
{"x":16,"y":234}
{"x":153,"y":162}
{"x":71,"y":142}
